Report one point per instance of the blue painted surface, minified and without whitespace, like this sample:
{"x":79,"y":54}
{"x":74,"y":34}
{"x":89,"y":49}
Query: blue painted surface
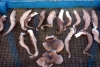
{"x":62,"y":4}
{"x":3,"y":7}
{"x":12,"y":45}
{"x":46,"y":4}
{"x":44,"y":0}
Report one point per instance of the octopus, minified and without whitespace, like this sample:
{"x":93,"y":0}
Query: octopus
{"x":49,"y":58}
{"x":52,"y":43}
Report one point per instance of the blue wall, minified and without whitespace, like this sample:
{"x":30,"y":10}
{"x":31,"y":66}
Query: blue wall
{"x":3,"y":7}
{"x":58,"y":4}
{"x":4,"y":4}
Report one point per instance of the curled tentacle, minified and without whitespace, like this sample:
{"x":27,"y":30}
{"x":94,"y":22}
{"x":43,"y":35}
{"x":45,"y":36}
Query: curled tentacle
{"x":22,"y":43}
{"x":28,"y":19}
{"x":34,"y":42}
{"x":67,"y":39}
{"x":87,"y":19}
{"x":41,"y":19}
{"x":78,"y":20}
{"x":90,"y":41}
{"x":94,"y":19}
{"x":69,"y":20}
{"x":51,"y":17}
